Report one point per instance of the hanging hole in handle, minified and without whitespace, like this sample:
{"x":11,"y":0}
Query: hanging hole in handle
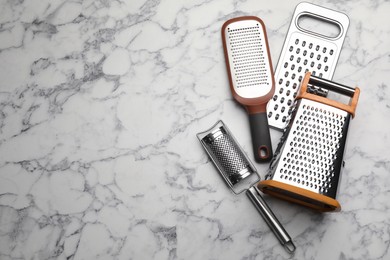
{"x":319,"y":25}
{"x":263,"y":152}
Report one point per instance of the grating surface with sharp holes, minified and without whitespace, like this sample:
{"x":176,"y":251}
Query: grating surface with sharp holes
{"x":249,"y":65}
{"x":248,"y":58}
{"x":312,"y":147}
{"x":301,"y":53}
{"x":228,"y":156}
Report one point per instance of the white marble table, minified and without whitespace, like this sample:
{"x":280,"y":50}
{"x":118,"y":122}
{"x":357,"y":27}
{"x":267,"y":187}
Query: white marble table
{"x":100,"y":104}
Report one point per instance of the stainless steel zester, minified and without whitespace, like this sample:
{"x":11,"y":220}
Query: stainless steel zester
{"x":240,"y":174}
{"x":307,"y":164}
{"x":303,"y":51}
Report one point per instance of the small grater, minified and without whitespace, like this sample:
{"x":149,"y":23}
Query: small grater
{"x":250,"y":76}
{"x":307,"y":163}
{"x":240,"y":174}
{"x":303,"y":51}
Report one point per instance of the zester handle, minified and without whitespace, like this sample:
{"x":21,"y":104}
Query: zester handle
{"x":261,"y":140}
{"x":269,"y":217}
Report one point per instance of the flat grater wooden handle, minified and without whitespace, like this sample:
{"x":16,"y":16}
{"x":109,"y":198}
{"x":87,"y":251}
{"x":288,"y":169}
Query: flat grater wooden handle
{"x":250,"y":76}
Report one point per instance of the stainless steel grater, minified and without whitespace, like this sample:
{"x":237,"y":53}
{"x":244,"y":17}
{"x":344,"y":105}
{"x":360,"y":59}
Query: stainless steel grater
{"x":250,"y":76}
{"x":306,"y":167}
{"x":228,"y":157}
{"x":240,"y":174}
{"x":248,"y":56}
{"x":303,"y":51}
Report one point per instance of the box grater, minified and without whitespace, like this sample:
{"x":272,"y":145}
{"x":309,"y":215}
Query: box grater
{"x":303,"y":51}
{"x":307,"y":163}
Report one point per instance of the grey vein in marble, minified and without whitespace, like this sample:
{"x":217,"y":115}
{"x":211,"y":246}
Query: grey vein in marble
{"x":100,"y":102}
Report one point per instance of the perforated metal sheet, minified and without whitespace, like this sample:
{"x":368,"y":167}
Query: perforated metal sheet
{"x":229,"y":157}
{"x":248,"y":58}
{"x":302,"y":56}
{"x":312,"y":155}
{"x":304,"y":51}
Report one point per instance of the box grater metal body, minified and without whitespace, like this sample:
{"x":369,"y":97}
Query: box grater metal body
{"x":307,"y":164}
{"x":303,"y":51}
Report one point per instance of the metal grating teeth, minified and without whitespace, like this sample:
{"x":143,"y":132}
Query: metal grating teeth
{"x":311,"y":156}
{"x":228,"y":156}
{"x":313,"y":148}
{"x":303,"y":55}
{"x":249,"y":65}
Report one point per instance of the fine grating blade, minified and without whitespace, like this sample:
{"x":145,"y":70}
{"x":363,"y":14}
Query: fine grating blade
{"x":229,"y":158}
{"x":248,"y":57}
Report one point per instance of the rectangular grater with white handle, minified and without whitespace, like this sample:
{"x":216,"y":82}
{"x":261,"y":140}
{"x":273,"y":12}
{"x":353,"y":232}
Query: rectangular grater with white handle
{"x":305,"y":50}
{"x":308,"y":161}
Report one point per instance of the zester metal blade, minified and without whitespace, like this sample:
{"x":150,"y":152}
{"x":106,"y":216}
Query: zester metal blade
{"x":227,"y":155}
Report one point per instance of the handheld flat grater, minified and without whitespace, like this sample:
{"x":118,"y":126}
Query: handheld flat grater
{"x":240,"y":174}
{"x":306,"y":167}
{"x":305,"y":50}
{"x":250,"y":76}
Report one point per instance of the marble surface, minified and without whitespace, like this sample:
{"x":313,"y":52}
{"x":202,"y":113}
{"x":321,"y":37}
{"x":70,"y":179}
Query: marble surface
{"x":100,"y":105}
